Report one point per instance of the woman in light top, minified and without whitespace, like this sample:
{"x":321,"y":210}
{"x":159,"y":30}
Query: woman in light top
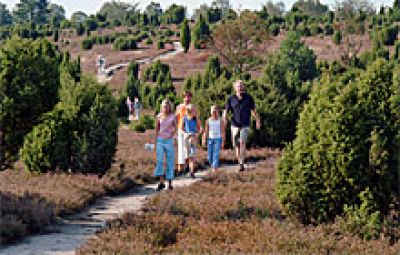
{"x":166,"y":125}
{"x":215,"y":129}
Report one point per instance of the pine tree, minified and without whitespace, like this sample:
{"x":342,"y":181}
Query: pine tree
{"x":185,"y":36}
{"x":396,"y":4}
{"x":345,"y":145}
{"x":201,"y":32}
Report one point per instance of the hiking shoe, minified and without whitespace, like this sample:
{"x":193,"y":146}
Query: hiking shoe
{"x":161,"y":186}
{"x":192,"y":175}
{"x":170,"y":187}
{"x":187,"y":169}
{"x":241,"y":168}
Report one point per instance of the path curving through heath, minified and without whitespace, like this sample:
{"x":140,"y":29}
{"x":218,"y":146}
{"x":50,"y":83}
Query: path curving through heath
{"x":110,"y":71}
{"x":66,"y":236}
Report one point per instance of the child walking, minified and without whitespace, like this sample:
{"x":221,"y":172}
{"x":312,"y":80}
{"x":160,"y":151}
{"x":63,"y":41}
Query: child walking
{"x":165,"y":130}
{"x":191,"y":127}
{"x":215,"y":129}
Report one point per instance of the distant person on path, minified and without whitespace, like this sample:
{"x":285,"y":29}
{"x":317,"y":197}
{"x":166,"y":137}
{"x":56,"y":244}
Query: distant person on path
{"x":242,"y":107}
{"x":191,"y":127}
{"x":137,"y":107}
{"x":166,"y":125}
{"x":180,"y":113}
{"x":100,"y":63}
{"x":130,"y":108}
{"x":215,"y":130}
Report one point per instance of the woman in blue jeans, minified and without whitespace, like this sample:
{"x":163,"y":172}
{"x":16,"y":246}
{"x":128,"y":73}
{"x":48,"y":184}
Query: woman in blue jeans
{"x":215,"y":129}
{"x":165,"y":131}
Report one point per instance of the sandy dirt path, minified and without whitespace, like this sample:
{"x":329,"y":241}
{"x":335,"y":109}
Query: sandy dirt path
{"x":71,"y":232}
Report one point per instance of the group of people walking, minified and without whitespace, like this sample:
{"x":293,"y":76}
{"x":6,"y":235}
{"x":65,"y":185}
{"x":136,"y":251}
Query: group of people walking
{"x":186,"y":125}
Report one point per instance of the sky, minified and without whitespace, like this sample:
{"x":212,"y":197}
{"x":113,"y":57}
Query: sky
{"x":92,"y":6}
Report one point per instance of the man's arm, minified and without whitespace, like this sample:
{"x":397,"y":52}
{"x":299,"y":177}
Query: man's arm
{"x":198,"y":121}
{"x":157,"y":131}
{"x":257,"y":118}
{"x":223,"y":125}
{"x":204,"y":140}
{"x":226,"y":110}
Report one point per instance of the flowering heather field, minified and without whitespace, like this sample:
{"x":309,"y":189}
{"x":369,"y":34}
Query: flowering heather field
{"x":226,"y":213}
{"x":29,"y":202}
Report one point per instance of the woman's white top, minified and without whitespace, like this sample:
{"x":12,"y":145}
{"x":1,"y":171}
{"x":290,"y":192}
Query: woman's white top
{"x":214,"y":128}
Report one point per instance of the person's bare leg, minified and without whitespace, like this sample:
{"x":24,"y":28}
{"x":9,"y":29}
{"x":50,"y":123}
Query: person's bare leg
{"x":237,"y":149}
{"x":242,"y":152}
{"x":192,"y":166}
{"x":187,"y":161}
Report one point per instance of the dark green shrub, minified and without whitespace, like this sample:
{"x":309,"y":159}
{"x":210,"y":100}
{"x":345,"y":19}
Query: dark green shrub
{"x":152,"y":95}
{"x":185,"y":38}
{"x":315,"y":29}
{"x":303,"y":29}
{"x":90,"y":24}
{"x":149,"y":41}
{"x":396,"y":52}
{"x":123,"y":44}
{"x":175,"y":14}
{"x":283,"y":89}
{"x":80,"y":29}
{"x":346,"y":147}
{"x":122,"y":111}
{"x":79,"y":134}
{"x":116,"y":23}
{"x":98,"y":40}
{"x":212,"y":72}
{"x":382,"y":53}
{"x":160,"y":44}
{"x":148,"y":121}
{"x":45,"y":146}
{"x":65,"y":24}
{"x":132,"y":87}
{"x":328,"y":29}
{"x":140,"y":128}
{"x":87,"y":44}
{"x":367,"y":58}
{"x":29,"y":83}
{"x":168,"y":33}
{"x":337,"y":37}
{"x":152,"y":72}
{"x":133,"y":70}
{"x":143,"y":35}
{"x":145,"y":122}
{"x":363,"y":219}
{"x":55,"y":35}
{"x":274,"y":29}
{"x":200,"y":32}
{"x":389,"y":35}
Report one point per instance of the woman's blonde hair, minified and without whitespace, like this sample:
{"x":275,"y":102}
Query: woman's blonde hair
{"x":214,"y":108}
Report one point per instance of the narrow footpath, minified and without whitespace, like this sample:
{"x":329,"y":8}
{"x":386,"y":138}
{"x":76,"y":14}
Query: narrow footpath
{"x":110,"y":71}
{"x":72,"y":232}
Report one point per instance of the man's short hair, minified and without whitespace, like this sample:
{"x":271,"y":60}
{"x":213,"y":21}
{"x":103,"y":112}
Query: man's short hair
{"x":238,"y":82}
{"x":187,"y":93}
